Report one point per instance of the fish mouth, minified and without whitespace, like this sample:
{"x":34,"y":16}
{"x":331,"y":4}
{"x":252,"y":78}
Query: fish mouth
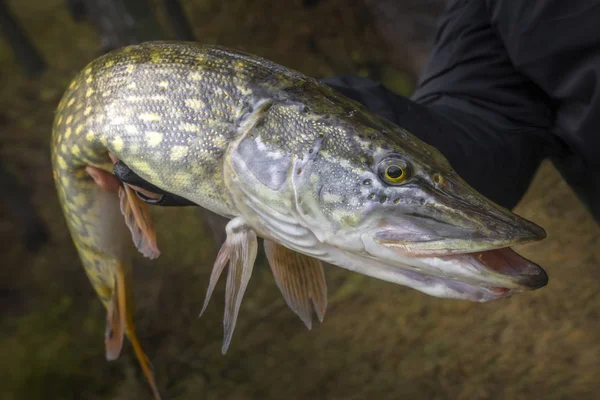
{"x":479,"y":276}
{"x":464,"y":261}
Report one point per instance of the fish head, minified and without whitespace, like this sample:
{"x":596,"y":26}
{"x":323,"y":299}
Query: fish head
{"x":395,"y":209}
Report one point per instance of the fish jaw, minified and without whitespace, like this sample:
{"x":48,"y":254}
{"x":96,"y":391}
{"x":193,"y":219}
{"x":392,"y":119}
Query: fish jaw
{"x":427,"y":283}
{"x":502,"y":269}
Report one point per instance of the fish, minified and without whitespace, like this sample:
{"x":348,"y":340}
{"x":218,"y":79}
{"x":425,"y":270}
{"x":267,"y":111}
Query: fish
{"x":283,"y":158}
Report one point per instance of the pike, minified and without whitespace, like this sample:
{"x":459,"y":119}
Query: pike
{"x":284,"y":158}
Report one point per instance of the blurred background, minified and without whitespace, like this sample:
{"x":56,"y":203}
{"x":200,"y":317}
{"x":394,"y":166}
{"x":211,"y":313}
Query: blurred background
{"x":378,"y":340}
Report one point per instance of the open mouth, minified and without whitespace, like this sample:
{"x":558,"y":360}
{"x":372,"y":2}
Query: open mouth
{"x":472,"y":271}
{"x":485,"y":275}
{"x":509,"y":263}
{"x":473,"y":261}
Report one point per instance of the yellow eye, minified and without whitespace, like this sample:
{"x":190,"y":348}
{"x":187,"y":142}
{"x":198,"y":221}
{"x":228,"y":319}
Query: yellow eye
{"x":394,"y":171}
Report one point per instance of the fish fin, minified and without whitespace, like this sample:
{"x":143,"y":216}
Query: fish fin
{"x":301,"y":280}
{"x":115,"y":321}
{"x":317,"y":287}
{"x":240,"y":248}
{"x":219,"y":265}
{"x":253,"y":118}
{"x":123,"y":278}
{"x":244,"y":246}
{"x":139,"y":222}
{"x":144,"y":362}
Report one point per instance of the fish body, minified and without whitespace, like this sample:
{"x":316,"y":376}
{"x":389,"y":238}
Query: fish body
{"x":283,"y":157}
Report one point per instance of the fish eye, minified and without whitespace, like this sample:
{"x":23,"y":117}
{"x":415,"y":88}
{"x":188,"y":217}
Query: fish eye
{"x":394,"y":170}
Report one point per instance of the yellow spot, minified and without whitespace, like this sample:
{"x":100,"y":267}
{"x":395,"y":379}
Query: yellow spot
{"x":132,"y":86}
{"x":59,"y":121}
{"x":79,"y":199}
{"x":240,"y":64}
{"x":244,"y":90}
{"x":72,"y":85}
{"x":87,"y":111}
{"x":149,"y":117}
{"x":201,"y":59}
{"x":145,"y":170}
{"x":69,"y":119}
{"x":181,"y":178}
{"x":61,"y":162}
{"x":194,"y":104}
{"x":104,"y":140}
{"x":117,"y":144}
{"x":70,"y":103}
{"x":89,"y":92}
{"x":78,"y":129}
{"x":154,"y":138}
{"x":178,"y":152}
{"x":68,"y":132}
{"x":155,"y":57}
{"x":163,"y":84}
{"x":131,"y":129}
{"x":90,"y":136}
{"x":195,"y":76}
{"x":75,"y":150}
{"x":89,"y":79}
{"x":129,"y":69}
{"x":88,"y":70}
{"x":187,"y":127}
{"x":109,"y":64}
{"x":63,"y":148}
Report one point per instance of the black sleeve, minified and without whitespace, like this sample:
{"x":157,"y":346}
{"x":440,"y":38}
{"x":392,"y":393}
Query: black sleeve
{"x":525,"y":66}
{"x":556,"y":44}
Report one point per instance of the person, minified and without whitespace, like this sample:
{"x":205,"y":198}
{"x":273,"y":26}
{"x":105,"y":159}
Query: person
{"x":509,"y":83}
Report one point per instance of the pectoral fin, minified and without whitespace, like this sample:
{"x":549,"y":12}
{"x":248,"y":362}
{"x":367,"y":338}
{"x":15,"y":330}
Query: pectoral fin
{"x":240,"y":250}
{"x":137,"y":218}
{"x":301,"y":280}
